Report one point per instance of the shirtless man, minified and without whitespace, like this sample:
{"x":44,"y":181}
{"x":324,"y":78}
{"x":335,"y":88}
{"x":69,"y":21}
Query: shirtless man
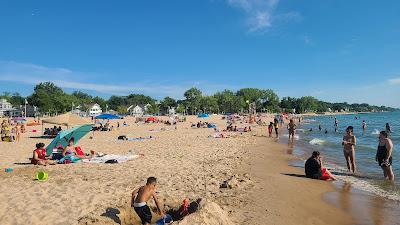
{"x":291,"y":127}
{"x":140,"y":197}
{"x":349,"y":143}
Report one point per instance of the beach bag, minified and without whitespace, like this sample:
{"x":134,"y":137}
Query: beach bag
{"x":112,"y":161}
{"x":122,"y":137}
{"x":79,"y":150}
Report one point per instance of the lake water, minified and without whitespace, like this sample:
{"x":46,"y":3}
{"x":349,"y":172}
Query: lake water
{"x":369,"y":176}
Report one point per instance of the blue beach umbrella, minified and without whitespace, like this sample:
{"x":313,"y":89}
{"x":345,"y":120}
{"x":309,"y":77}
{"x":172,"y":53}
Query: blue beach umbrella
{"x":107,"y":116}
{"x":62,"y":137}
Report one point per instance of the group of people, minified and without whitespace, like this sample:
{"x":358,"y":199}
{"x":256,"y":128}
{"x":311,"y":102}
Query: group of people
{"x":383,"y":155}
{"x":69,"y":154}
{"x":232,"y":128}
{"x":52,"y":131}
{"x":10,"y":131}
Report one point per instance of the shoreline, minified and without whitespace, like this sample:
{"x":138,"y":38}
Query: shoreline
{"x":282,"y":195}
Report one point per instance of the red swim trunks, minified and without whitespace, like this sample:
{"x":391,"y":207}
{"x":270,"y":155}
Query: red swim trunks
{"x":325,"y":175}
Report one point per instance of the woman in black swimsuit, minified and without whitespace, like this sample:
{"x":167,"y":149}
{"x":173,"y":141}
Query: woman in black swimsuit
{"x":384,"y":155}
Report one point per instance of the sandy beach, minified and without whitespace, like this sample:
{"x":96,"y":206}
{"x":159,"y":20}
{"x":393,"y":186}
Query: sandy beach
{"x":263,"y":189}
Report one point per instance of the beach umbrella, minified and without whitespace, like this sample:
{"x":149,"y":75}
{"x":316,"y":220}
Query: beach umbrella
{"x":63,"y":136}
{"x":107,"y":116}
{"x":151,"y":119}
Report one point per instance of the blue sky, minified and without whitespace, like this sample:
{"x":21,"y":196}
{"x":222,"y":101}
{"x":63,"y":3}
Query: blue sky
{"x":335,"y":50}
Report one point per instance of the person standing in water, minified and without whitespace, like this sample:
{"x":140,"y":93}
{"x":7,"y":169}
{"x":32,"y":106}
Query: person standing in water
{"x":291,"y":127}
{"x":388,"y":129}
{"x":364,"y":125}
{"x":319,"y":127}
{"x":276,"y":126}
{"x":384,"y":155}
{"x":349,"y":143}
{"x":336,"y":122}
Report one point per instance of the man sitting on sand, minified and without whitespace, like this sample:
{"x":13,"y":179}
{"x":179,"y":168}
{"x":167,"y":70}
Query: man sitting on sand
{"x":140,"y":197}
{"x":315,"y":170}
{"x":39,"y":156}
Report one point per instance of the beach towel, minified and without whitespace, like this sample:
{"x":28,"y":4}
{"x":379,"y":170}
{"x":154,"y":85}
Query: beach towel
{"x":139,"y":138}
{"x":105,"y":158}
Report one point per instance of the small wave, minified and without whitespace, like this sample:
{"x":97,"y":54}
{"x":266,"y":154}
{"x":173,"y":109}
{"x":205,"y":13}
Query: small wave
{"x":309,"y":120}
{"x":375,"y":132}
{"x":317,"y":141}
{"x":296,"y":137}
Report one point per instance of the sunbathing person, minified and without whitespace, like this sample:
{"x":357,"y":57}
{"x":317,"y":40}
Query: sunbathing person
{"x":140,"y":197}
{"x":71,"y":153}
{"x":39,"y":156}
{"x":314,"y":168}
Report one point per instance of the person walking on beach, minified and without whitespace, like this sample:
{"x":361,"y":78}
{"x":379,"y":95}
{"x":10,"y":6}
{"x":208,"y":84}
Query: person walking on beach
{"x":384,"y":155}
{"x":270,"y":127}
{"x":141,"y":196}
{"x":349,"y":143}
{"x":291,"y":128}
{"x":276,"y":126}
{"x":314,"y":168}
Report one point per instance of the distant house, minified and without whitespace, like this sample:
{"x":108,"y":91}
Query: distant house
{"x":172,"y":111}
{"x":95,"y":110}
{"x":138,"y":110}
{"x":5,"y":106}
{"x":31,"y":111}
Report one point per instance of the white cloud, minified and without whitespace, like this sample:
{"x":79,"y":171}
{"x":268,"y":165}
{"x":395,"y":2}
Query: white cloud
{"x":33,"y":74}
{"x":261,"y":14}
{"x":394,"y":81}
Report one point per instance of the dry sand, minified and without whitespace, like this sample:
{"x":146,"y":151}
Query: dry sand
{"x":187,"y":163}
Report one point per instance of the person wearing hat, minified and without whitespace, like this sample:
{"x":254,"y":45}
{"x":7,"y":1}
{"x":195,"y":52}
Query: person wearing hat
{"x":39,"y":156}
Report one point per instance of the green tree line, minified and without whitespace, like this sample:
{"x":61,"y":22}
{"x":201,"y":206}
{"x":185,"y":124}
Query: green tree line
{"x":52,"y":99}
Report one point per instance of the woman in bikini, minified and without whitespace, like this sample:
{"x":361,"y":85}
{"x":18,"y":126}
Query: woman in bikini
{"x":349,"y":143}
{"x":71,"y":154}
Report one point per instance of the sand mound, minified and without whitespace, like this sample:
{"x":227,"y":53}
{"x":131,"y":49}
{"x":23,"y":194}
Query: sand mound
{"x":209,"y":214}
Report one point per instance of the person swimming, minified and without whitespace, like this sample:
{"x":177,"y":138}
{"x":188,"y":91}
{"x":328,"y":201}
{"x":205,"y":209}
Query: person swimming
{"x":349,"y":142}
{"x":141,"y":196}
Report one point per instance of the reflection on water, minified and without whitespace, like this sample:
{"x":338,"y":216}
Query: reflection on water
{"x":365,"y":208}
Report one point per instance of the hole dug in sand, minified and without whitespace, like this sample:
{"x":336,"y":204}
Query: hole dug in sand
{"x":209,"y":214}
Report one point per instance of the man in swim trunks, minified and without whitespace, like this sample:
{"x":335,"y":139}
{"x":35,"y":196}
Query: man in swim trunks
{"x":140,"y":197}
{"x":291,"y":127}
{"x":349,"y":143}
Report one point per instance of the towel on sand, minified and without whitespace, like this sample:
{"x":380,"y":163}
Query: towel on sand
{"x":103,"y":159}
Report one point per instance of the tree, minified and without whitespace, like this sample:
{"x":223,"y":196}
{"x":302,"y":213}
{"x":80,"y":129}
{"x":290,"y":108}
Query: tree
{"x":193,"y":96}
{"x":153,"y":109}
{"x":167,"y":103}
{"x":49,"y":98}
{"x":208,"y":104}
{"x":269,"y":100}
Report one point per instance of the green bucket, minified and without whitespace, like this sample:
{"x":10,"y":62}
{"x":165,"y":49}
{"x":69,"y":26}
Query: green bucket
{"x":42,"y":176}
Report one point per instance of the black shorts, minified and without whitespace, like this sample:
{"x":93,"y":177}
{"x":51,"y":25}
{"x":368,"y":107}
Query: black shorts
{"x":276,"y":130}
{"x":144,"y":214}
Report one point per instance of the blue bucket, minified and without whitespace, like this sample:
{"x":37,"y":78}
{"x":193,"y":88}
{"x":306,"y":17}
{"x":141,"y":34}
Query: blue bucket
{"x":165,"y":220}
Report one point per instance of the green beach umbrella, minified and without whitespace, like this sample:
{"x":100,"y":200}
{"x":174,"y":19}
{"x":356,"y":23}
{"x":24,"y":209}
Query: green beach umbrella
{"x":63,"y":136}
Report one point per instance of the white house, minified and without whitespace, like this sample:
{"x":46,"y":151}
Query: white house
{"x":5,"y":106}
{"x":138,"y":110}
{"x":95,"y":110}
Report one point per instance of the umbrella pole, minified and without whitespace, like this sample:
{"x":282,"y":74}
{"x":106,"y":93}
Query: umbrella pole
{"x":42,"y":129}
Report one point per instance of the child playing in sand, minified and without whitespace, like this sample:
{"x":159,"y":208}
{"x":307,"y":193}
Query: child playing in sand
{"x":140,"y":197}
{"x":270,"y":127}
{"x":39,"y":156}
